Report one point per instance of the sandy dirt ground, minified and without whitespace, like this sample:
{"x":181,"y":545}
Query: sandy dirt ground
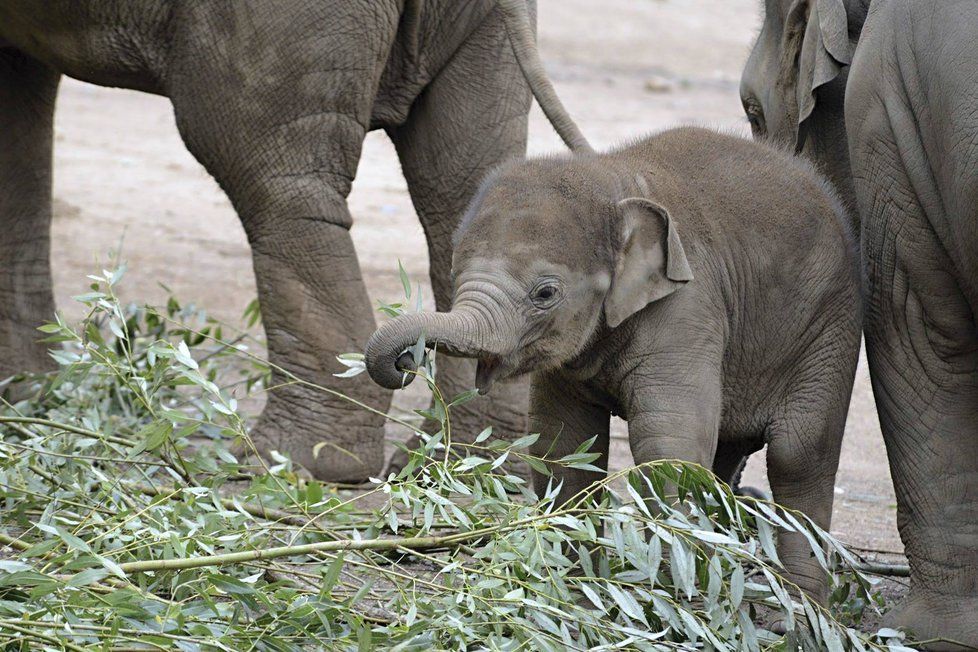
{"x":623,"y":67}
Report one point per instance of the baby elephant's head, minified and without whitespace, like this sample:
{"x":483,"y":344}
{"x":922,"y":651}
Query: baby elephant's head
{"x":548,"y":253}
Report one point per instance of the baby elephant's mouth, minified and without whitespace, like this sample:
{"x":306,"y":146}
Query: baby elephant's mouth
{"x":489,"y":369}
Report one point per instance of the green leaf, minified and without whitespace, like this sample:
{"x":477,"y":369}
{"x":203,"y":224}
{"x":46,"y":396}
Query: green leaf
{"x":484,"y":435}
{"x":252,"y":313}
{"x":364,"y":639}
{"x":627,"y":603}
{"x":536,"y":464}
{"x":736,"y":586}
{"x":112,"y":567}
{"x":40,"y":549}
{"x":90,"y":297}
{"x":586,"y":445}
{"x":88,"y":576}
{"x":766,"y":533}
{"x":182,"y":355}
{"x":230,"y":585}
{"x":782,"y":595}
{"x":117,"y":275}
{"x":593,"y":596}
{"x":153,"y":436}
{"x":70,"y":539}
{"x":465,"y":397}
{"x":405,"y":281}
{"x":683,"y":564}
{"x":332,"y":574}
{"x":13,"y":566}
{"x":525,"y":441}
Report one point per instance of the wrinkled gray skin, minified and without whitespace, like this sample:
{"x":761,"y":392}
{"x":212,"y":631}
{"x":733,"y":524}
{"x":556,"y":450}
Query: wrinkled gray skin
{"x":910,"y":109}
{"x":701,"y":286}
{"x":274,"y":99}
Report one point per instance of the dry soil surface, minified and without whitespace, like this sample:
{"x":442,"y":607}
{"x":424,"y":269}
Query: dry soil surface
{"x":623,"y":67}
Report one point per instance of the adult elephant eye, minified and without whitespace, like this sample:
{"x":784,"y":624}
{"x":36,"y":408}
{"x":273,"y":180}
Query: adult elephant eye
{"x":755,"y":116}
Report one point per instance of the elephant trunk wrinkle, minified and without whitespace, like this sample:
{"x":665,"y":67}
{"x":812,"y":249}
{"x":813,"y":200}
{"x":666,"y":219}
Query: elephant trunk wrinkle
{"x":463,"y":332}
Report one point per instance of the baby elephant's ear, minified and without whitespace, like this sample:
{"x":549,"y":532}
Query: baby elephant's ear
{"x":651,"y":264}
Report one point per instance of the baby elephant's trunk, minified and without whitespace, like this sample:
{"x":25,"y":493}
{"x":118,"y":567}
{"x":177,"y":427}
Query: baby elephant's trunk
{"x":389,"y":362}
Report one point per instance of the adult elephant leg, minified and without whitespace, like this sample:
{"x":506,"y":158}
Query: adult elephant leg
{"x":923,"y":355}
{"x":918,"y":196}
{"x":928,"y":408}
{"x":28,"y":90}
{"x":314,"y":306}
{"x":277,"y":112}
{"x":471,"y":117}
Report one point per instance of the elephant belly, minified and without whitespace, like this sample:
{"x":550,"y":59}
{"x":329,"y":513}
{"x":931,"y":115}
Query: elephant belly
{"x":100,"y":43}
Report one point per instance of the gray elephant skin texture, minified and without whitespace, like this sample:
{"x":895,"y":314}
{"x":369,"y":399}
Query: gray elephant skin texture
{"x":883,"y":96}
{"x":274,"y":99}
{"x":702,"y":286}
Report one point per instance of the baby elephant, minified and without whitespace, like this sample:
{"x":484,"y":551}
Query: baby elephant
{"x":702,"y":286}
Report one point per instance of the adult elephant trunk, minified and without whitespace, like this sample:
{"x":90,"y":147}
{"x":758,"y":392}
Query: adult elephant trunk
{"x":459,"y":333}
{"x":521,"y":35}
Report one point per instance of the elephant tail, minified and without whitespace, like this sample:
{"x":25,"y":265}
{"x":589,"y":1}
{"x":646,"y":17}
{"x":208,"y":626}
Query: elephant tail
{"x":517,"y":20}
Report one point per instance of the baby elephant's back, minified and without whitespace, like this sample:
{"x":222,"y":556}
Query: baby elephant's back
{"x":757,"y":206}
{"x":763,"y":229}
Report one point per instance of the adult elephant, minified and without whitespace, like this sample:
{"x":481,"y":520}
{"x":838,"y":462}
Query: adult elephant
{"x":884,"y":95}
{"x":274,"y":99}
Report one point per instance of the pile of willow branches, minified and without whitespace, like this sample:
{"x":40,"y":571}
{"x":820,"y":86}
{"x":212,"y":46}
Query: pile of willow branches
{"x":133,"y":518}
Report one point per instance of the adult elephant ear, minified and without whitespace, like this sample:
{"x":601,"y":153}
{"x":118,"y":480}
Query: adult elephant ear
{"x":651,"y":263}
{"x":814,"y":50}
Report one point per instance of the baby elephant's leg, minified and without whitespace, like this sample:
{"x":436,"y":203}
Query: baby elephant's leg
{"x":565,"y":420}
{"x":729,"y":462}
{"x":802,"y":460}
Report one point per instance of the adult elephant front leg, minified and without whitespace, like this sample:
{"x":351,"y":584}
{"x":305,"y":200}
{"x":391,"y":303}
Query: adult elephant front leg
{"x":918,"y":197}
{"x":277,"y":112}
{"x":472,"y":117}
{"x":314,"y":306}
{"x":27,"y":95}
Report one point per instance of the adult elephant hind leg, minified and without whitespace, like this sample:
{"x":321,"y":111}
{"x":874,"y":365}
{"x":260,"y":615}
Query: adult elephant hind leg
{"x":928,"y":406}
{"x":469,"y":119}
{"x":28,"y":90}
{"x":918,"y":199}
{"x":930,"y":426}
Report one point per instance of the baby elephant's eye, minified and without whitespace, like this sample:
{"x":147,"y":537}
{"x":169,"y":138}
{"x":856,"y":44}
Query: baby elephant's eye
{"x":544,"y":295}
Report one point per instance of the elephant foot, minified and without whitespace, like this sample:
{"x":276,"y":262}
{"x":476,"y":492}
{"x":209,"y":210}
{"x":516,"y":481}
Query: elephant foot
{"x":21,"y":388}
{"x":333,"y":444}
{"x":17,"y":362}
{"x":939,"y":622}
{"x":21,"y":376}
